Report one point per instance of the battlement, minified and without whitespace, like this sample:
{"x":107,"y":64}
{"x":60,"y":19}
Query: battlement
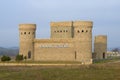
{"x":101,"y":39}
{"x":83,"y":23}
{"x":27,"y":26}
{"x":65,"y":24}
{"x":71,"y":23}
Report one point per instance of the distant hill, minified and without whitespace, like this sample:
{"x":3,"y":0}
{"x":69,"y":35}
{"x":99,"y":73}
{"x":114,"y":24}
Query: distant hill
{"x":13,"y":51}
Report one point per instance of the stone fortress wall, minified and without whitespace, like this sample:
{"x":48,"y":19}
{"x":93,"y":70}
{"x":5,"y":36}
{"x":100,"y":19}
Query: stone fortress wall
{"x":69,"y":41}
{"x":100,"y":47}
{"x":27,"y":36}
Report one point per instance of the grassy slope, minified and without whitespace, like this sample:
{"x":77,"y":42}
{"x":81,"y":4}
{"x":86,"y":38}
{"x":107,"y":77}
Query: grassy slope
{"x":102,"y":71}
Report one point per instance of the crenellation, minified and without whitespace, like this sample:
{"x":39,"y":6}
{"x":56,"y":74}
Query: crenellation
{"x":83,"y":24}
{"x":59,"y":24}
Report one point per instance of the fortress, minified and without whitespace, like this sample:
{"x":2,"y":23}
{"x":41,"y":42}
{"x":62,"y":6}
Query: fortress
{"x":69,"y":41}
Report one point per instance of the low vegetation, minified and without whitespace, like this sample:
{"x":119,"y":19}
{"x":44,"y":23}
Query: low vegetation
{"x":5,"y":58}
{"x":19,"y":57}
{"x":102,"y":71}
{"x":108,"y":60}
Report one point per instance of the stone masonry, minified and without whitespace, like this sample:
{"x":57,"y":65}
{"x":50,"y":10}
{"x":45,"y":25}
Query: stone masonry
{"x":69,"y":41}
{"x":100,"y":47}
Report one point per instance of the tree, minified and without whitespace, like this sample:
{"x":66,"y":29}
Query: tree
{"x":116,"y":50}
{"x":5,"y":58}
{"x":19,"y":57}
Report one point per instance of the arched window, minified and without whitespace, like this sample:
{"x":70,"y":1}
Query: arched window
{"x":82,"y":30}
{"x":103,"y":55}
{"x":78,"y":31}
{"x":29,"y":54}
{"x":21,"y":33}
{"x":86,"y":30}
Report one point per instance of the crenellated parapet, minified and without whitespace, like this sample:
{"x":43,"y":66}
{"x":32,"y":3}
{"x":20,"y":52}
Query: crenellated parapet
{"x":82,"y":24}
{"x":59,"y":24}
{"x":27,"y":26}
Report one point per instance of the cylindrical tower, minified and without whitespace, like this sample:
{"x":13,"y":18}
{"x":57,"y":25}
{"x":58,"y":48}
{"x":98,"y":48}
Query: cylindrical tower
{"x":83,"y":41}
{"x":100,"y":46}
{"x":27,"y":35}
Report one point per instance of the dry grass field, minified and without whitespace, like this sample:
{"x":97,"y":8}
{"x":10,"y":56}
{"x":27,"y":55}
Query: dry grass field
{"x":100,"y":71}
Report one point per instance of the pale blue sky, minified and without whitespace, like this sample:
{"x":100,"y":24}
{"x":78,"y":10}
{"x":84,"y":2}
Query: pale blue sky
{"x":104,"y":13}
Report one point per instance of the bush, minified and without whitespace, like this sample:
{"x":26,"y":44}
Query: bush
{"x":5,"y":58}
{"x":19,"y":57}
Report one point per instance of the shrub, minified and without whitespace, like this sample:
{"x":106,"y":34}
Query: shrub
{"x":5,"y":58}
{"x":19,"y":57}
{"x":25,"y":57}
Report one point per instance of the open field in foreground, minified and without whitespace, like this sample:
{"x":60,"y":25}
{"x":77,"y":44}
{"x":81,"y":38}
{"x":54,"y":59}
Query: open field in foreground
{"x":102,"y":71}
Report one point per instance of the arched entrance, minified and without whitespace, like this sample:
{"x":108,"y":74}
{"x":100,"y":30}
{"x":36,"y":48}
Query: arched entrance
{"x":29,"y":54}
{"x":103,"y":55}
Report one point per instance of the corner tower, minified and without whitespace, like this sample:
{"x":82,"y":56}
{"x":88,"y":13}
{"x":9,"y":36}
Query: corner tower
{"x":100,"y":46}
{"x":83,"y":41}
{"x":27,"y":35}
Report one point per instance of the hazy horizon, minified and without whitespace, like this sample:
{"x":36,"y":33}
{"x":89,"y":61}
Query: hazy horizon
{"x":103,"y":13}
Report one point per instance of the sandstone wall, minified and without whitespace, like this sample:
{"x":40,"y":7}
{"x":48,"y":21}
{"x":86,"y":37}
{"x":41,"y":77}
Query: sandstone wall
{"x":27,"y":35}
{"x":100,"y":47}
{"x":54,"y":50}
{"x":61,"y":30}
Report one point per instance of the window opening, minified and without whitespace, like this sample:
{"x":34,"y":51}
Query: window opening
{"x":29,"y":54}
{"x":24,"y":32}
{"x":103,"y":55}
{"x":82,"y":30}
{"x":75,"y":55}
